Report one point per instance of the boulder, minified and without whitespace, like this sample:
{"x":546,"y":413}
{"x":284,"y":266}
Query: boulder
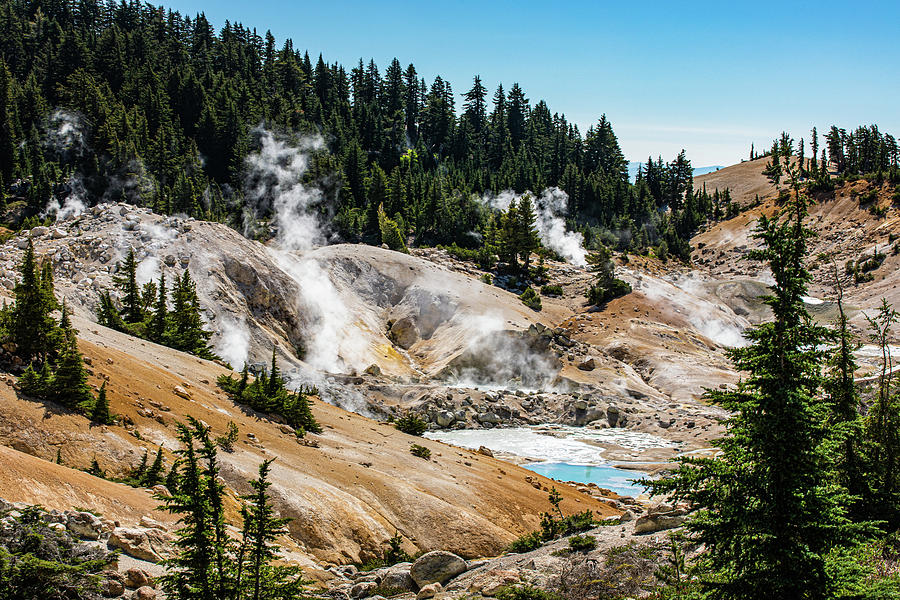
{"x":181,"y":392}
{"x":653,"y":522}
{"x":144,"y":593}
{"x":484,"y":450}
{"x":364,"y":589}
{"x":429,"y":591}
{"x":152,"y":524}
{"x":85,"y":525}
{"x":444,"y":418}
{"x":136,"y":578}
{"x":111,"y":586}
{"x":587,"y":364}
{"x":437,"y":566}
{"x":491,"y":582}
{"x":397,"y":577}
{"x":404,"y":333}
{"x":146,"y":544}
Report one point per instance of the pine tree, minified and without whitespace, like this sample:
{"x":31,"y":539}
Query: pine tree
{"x":70,"y":386}
{"x":259,"y":578}
{"x":883,"y":423}
{"x":527,"y":240}
{"x":141,"y":470}
{"x":769,"y":509}
{"x":31,"y":327}
{"x":152,"y":476}
{"x":100,"y":412}
{"x":108,"y":315}
{"x":132,"y":304}
{"x":194,"y":572}
{"x":159,"y":321}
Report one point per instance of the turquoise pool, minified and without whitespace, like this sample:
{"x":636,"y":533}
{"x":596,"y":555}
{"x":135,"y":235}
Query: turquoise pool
{"x":607,"y":477}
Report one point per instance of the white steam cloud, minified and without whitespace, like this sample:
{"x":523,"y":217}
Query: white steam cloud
{"x":274,"y":183}
{"x":550,"y":208}
{"x":233,"y":344}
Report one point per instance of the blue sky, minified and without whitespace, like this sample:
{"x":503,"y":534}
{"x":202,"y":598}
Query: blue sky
{"x":705,"y":76}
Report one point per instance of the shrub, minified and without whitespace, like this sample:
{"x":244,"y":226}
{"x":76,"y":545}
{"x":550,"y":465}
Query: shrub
{"x":526,"y":543}
{"x":582,"y":543}
{"x":226,"y":442}
{"x":486,"y":278}
{"x":526,"y":592}
{"x":530,"y":299}
{"x":39,"y":562}
{"x":551,"y":290}
{"x":603,"y":293}
{"x":420,"y":451}
{"x":411,"y":423}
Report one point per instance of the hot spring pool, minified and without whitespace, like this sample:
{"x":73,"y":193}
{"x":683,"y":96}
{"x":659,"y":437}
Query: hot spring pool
{"x":561,"y":452}
{"x":605,"y":476}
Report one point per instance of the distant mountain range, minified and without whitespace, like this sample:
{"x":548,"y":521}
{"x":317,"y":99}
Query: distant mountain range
{"x":633,"y":169}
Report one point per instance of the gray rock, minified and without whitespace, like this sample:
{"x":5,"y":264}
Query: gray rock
{"x":445,"y":418}
{"x":404,"y":333}
{"x":85,"y":525}
{"x":437,"y":566}
{"x":654,"y":522}
{"x":397,"y":577}
{"x":364,"y":589}
{"x":144,"y":593}
{"x":588,"y":364}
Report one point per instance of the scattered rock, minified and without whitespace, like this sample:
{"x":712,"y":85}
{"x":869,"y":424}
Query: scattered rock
{"x":484,"y":450}
{"x":437,"y":566}
{"x":429,"y":591}
{"x":136,"y":578}
{"x":144,"y":593}
{"x":181,"y":392}
{"x":364,"y":589}
{"x":397,"y":577}
{"x":152,"y":523}
{"x":112,"y":585}
{"x":491,"y":582}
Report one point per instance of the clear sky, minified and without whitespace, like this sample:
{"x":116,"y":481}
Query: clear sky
{"x":709,"y":77}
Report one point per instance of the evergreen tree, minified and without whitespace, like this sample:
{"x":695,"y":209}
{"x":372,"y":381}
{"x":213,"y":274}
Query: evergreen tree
{"x":69,"y":383}
{"x":31,"y":327}
{"x":157,"y":328}
{"x":883,"y":424}
{"x":527,"y":240}
{"x":154,"y":473}
{"x":259,"y":578}
{"x":769,"y":510}
{"x":126,"y":281}
{"x":100,"y":412}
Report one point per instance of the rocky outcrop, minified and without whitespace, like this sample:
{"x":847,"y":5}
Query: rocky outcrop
{"x":437,"y":566}
{"x":85,"y":525}
{"x":397,"y":577}
{"x":146,"y":544}
{"x":660,"y":519}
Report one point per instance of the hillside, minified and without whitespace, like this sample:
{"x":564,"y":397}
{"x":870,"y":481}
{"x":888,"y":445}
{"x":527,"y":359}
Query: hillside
{"x":348,"y":489}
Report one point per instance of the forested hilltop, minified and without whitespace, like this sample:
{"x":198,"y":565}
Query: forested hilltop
{"x":158,"y":109}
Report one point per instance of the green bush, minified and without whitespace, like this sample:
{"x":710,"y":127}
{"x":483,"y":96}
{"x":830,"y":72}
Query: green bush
{"x":526,"y":592}
{"x":601,"y":294}
{"x":420,"y":451}
{"x":486,"y":278}
{"x":411,"y":423}
{"x":530,"y":299}
{"x":582,"y":543}
{"x":526,"y":543}
{"x":551,"y":290}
